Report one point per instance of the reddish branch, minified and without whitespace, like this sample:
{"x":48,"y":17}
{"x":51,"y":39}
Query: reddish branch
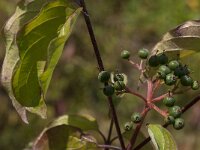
{"x":159,"y":98}
{"x":128,"y":90}
{"x":137,"y":129}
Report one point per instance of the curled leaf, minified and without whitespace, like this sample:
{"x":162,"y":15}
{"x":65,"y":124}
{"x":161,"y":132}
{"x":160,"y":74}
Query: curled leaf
{"x":35,"y":37}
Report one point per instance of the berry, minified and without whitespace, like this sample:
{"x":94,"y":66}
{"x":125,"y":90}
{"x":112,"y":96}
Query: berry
{"x":195,"y":85}
{"x":170,"y":79}
{"x":170,"y":120}
{"x":162,"y":59}
{"x":108,"y":90}
{"x":179,"y":123}
{"x":153,"y":61}
{"x":161,"y":75}
{"x":136,"y":117}
{"x":186,"y":80}
{"x":125,"y":54}
{"x":104,"y":76}
{"x":118,"y":77}
{"x":181,"y":71}
{"x":169,"y":101}
{"x":164,"y":69}
{"x":143,"y":53}
{"x":173,"y":64}
{"x":128,"y":126}
{"x":175,"y":111}
{"x":119,"y":85}
{"x":186,"y":70}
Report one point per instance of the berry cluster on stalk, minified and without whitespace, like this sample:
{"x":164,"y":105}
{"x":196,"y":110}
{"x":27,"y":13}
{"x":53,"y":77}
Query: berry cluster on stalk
{"x":171,"y":72}
{"x":114,"y":85}
{"x":167,"y":71}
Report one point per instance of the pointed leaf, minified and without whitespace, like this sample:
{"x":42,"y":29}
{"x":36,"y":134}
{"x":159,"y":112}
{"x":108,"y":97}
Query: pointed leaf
{"x":35,"y":37}
{"x":161,"y":137}
{"x":184,"y":39}
{"x":25,"y":11}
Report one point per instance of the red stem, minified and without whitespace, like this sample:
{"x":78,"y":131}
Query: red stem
{"x":137,"y":129}
{"x":160,"y":111}
{"x":160,"y":97}
{"x":128,"y":90}
{"x":149,"y":91}
{"x":135,"y":65}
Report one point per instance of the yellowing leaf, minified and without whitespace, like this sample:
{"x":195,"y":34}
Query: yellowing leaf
{"x":35,"y":37}
{"x":161,"y":137}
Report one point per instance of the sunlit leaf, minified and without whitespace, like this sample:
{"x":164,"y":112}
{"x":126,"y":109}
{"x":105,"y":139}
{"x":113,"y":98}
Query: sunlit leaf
{"x":35,"y":37}
{"x":184,"y":38}
{"x":161,"y":137}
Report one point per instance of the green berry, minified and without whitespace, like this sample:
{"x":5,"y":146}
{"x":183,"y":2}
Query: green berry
{"x":170,"y":120}
{"x":118,"y":77}
{"x":195,"y":85}
{"x":173,"y":64}
{"x":136,"y":117}
{"x":162,"y":59}
{"x":170,"y":79}
{"x":175,"y":111}
{"x":104,"y":76}
{"x":119,"y":85}
{"x":143,"y":53}
{"x":186,"y":80}
{"x":161,"y":75}
{"x":164,"y":69}
{"x":125,"y":54}
{"x":179,"y":123}
{"x":153,"y":61}
{"x":128,"y":126}
{"x":108,"y":90}
{"x":169,"y":101}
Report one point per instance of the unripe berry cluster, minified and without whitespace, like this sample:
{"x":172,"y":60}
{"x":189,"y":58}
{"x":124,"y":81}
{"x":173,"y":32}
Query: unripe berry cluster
{"x":172,"y":71}
{"x":110,"y":88}
{"x":135,"y":118}
{"x":174,"y":113}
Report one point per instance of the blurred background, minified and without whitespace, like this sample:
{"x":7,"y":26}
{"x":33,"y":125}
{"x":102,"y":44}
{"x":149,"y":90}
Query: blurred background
{"x":118,"y":25}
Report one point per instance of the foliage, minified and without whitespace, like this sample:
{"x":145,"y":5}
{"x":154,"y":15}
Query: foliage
{"x":42,"y":65}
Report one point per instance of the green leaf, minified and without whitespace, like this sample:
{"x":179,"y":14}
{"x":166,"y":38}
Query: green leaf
{"x":161,"y":137}
{"x":35,"y":37}
{"x":61,"y":134}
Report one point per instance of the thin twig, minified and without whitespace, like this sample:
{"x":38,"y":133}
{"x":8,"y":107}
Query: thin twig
{"x":109,"y":147}
{"x":135,"y":65}
{"x":101,"y":68}
{"x":141,"y":64}
{"x":102,"y":135}
{"x":160,"y":111}
{"x":184,"y":109}
{"x":128,"y":90}
{"x":149,"y":90}
{"x":116,"y":122}
{"x":156,"y":85}
{"x":159,"y":98}
{"x":110,"y":132}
